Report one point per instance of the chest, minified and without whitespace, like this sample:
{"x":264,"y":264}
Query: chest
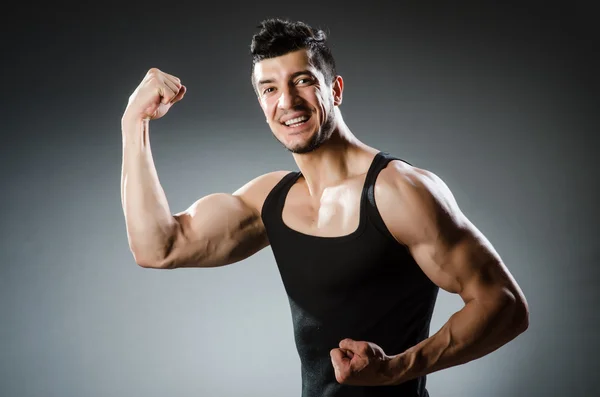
{"x":335,"y":213}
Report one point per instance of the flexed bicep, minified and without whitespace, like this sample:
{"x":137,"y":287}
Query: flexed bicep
{"x":220,"y":229}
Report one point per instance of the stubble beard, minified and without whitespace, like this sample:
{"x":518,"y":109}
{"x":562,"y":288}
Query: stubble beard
{"x":320,"y":137}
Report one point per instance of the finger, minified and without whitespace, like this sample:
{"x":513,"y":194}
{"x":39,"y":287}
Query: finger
{"x":350,"y":344}
{"x":166,"y":94}
{"x":179,"y":95}
{"x":152,"y":73}
{"x":174,"y":79}
{"x":172,"y":85}
{"x":337,"y":356}
{"x":341,"y":365}
{"x":348,"y":353}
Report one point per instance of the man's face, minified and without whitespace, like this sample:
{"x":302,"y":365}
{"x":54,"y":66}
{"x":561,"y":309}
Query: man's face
{"x":296,"y":100}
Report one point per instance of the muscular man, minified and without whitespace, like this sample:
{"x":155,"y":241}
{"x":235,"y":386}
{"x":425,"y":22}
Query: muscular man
{"x":362,"y":239}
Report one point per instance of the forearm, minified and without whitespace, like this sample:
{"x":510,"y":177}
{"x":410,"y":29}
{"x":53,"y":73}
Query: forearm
{"x":150,"y":224}
{"x":476,"y":330}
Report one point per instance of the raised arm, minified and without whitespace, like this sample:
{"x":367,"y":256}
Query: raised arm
{"x":217,"y":230}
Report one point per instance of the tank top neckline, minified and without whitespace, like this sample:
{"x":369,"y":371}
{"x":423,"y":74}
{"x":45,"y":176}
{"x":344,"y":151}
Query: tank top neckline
{"x":362,"y":219}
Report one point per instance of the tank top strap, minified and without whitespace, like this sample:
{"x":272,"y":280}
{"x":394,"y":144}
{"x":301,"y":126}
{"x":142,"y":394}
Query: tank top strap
{"x":369,"y":205}
{"x":275,"y":200}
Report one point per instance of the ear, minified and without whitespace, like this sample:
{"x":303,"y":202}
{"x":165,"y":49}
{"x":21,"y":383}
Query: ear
{"x":337,"y":89}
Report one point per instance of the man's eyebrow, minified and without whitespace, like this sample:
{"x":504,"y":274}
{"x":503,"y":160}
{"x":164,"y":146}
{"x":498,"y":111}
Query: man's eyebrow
{"x":265,"y":81}
{"x":301,"y":73}
{"x":296,"y":74}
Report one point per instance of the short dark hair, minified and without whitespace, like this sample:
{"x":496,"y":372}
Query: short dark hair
{"x":279,"y":36}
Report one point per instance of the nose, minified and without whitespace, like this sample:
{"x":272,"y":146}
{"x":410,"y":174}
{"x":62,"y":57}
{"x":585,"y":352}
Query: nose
{"x":287,"y":99}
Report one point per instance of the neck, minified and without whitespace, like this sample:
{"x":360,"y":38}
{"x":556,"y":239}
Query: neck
{"x":341,"y":157}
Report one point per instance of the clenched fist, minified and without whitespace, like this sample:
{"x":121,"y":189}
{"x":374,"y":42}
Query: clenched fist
{"x":155,"y":95}
{"x":361,"y":363}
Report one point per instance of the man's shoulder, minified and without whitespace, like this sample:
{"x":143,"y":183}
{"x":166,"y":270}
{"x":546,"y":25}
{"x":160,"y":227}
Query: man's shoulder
{"x":256,"y":190}
{"x":399,"y":176}
{"x":405,"y":194}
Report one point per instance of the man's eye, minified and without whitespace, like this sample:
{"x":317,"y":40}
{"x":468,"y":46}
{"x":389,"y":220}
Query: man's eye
{"x":268,"y":90}
{"x":303,"y":80}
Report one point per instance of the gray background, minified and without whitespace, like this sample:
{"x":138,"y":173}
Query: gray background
{"x":499,"y":102}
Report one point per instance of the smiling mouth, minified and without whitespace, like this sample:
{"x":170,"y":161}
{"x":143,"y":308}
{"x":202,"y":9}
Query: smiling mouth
{"x":296,"y":122}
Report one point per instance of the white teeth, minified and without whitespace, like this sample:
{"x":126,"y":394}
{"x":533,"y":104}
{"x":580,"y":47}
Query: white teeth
{"x":296,"y":120}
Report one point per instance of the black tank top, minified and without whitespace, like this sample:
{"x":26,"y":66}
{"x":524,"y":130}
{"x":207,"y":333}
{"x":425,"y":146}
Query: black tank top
{"x":363,"y":285}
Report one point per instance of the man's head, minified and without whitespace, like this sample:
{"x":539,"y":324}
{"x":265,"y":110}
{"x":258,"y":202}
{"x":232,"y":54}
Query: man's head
{"x":294,"y":76}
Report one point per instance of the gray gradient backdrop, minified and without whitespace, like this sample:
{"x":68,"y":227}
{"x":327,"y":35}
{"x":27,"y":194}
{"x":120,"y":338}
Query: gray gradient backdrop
{"x":500,"y":103}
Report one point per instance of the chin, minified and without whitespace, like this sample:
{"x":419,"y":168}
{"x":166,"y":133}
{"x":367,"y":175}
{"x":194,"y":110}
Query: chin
{"x":308,"y":145}
{"x":301,"y":149}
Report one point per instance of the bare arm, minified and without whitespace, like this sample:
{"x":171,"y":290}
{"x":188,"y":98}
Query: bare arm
{"x":422,"y":214}
{"x":218,"y":229}
{"x":150,"y":225}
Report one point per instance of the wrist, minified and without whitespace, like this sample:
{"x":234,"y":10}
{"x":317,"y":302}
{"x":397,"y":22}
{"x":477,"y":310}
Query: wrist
{"x":399,"y":368}
{"x":133,"y":126}
{"x":129,"y":120}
